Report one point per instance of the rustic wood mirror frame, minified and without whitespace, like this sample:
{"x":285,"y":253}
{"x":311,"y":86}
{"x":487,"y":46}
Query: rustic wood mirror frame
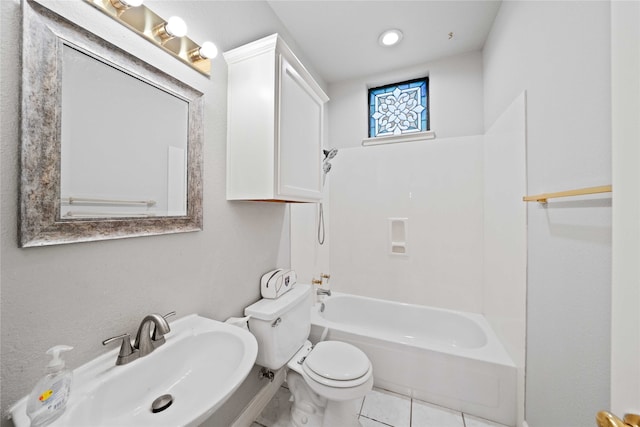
{"x":44,"y":35}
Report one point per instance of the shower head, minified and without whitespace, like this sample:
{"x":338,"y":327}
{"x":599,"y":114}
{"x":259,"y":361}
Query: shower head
{"x":326,"y":167}
{"x":330,"y":154}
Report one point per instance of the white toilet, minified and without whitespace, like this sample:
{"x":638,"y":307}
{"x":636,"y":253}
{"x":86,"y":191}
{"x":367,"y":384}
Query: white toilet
{"x":327,"y":380}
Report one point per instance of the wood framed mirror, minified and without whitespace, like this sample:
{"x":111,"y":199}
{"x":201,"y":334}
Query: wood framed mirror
{"x":111,"y":146}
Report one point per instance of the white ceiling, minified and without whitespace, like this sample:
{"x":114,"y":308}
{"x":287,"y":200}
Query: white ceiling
{"x":340,"y":38}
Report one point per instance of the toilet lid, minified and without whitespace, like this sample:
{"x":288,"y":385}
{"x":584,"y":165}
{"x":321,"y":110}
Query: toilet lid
{"x":338,"y":361}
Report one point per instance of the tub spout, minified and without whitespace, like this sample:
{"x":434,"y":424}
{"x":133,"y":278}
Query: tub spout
{"x":326,"y":292}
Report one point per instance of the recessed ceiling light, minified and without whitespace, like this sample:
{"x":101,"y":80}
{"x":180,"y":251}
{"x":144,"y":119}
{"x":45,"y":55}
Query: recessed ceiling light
{"x":390,"y":37}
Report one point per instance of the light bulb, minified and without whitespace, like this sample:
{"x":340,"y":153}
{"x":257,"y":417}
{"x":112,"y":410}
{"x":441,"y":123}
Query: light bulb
{"x":208,"y":50}
{"x":176,"y":27}
{"x":390,"y":37}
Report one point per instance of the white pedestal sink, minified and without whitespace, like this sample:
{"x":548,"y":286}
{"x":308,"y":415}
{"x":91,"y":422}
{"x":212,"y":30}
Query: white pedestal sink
{"x":201,"y":364}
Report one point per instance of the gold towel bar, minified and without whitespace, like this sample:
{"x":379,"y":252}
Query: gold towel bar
{"x":542,"y":198}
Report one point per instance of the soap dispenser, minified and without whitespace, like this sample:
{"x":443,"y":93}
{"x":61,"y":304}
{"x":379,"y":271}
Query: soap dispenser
{"x":48,"y":399}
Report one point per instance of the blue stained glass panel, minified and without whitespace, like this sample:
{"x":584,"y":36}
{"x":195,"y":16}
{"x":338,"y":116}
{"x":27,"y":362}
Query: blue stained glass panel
{"x":399,"y":108}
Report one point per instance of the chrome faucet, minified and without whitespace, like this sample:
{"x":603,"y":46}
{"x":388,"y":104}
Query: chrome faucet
{"x":326,"y":292}
{"x":145,"y":343}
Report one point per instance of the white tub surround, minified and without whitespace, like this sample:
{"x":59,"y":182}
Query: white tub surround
{"x":450,"y":358}
{"x":504,"y":273}
{"x":437,"y":186}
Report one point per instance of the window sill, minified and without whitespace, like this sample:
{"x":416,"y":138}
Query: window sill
{"x":411,"y":137}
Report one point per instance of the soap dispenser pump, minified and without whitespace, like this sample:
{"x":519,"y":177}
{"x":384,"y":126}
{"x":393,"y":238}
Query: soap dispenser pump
{"x":48,"y":399}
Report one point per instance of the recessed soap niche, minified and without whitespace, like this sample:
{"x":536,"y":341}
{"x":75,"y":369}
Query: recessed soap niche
{"x":398,"y":234}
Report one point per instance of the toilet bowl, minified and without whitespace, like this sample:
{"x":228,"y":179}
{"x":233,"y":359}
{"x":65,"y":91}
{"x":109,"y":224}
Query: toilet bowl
{"x":328,"y":380}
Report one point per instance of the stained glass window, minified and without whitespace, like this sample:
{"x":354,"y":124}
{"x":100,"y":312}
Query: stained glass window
{"x":399,"y":108}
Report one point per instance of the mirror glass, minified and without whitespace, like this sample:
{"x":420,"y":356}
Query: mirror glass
{"x":111,"y":146}
{"x":124,"y":143}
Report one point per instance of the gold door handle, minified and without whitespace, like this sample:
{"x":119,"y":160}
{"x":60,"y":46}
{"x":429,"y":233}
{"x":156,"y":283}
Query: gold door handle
{"x":632,"y":419}
{"x":607,"y":419}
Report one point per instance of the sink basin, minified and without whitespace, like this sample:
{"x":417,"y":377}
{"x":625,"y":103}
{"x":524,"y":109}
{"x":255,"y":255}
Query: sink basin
{"x":201,"y":364}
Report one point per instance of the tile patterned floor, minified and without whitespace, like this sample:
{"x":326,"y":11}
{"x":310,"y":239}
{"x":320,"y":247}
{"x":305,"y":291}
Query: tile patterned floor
{"x":380,"y":408}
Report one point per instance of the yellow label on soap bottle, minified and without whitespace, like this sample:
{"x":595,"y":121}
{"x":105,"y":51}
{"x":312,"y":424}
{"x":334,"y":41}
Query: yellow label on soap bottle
{"x":44,"y":396}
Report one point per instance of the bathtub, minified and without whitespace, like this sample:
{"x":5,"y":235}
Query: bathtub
{"x":446,"y":357}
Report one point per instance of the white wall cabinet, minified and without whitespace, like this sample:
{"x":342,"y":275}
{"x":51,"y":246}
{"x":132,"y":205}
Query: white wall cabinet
{"x":275,"y":125}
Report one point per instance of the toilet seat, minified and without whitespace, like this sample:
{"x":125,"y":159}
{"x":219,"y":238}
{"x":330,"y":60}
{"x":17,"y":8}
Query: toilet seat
{"x":336,"y":383}
{"x":337,"y":364}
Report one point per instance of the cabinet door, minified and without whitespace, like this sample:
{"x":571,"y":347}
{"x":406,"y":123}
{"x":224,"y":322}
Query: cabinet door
{"x":300,"y":138}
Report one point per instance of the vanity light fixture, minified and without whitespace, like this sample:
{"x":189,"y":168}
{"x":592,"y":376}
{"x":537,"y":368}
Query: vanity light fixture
{"x":168,"y":34}
{"x":390,"y":37}
{"x":174,"y":27}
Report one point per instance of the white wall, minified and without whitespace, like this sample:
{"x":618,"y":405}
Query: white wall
{"x":505,"y":235}
{"x":371,"y":184}
{"x":467,"y":225}
{"x":80,"y":294}
{"x":625,"y":340}
{"x":309,"y":258}
{"x":455,"y":88}
{"x":559,"y":53}
{"x":437,"y":185}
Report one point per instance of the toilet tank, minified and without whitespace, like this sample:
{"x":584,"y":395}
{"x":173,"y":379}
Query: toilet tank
{"x":281,"y":325}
